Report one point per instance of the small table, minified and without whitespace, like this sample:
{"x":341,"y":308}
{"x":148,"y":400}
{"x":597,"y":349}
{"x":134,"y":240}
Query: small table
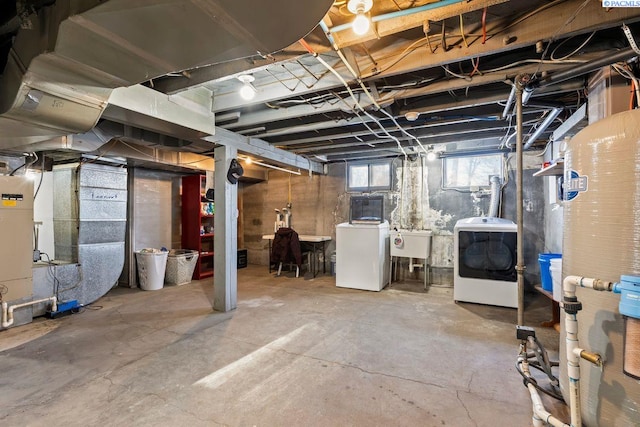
{"x":315,"y":243}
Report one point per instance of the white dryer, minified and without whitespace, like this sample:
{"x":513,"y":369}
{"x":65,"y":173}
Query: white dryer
{"x":484,"y":269}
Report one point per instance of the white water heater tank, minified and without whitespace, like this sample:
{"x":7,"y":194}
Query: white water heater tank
{"x":602,"y":240}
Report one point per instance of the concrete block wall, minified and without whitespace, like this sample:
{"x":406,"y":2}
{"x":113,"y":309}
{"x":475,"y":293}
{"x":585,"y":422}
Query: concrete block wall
{"x":319,"y":203}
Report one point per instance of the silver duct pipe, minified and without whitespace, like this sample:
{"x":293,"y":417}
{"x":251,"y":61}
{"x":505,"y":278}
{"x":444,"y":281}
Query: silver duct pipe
{"x":507,"y":107}
{"x":543,"y":126}
{"x":556,"y":109}
{"x":494,"y":203}
{"x":89,"y":221}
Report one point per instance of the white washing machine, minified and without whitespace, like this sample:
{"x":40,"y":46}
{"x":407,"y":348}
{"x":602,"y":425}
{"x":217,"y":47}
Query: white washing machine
{"x":484,"y":268}
{"x":362,"y":256}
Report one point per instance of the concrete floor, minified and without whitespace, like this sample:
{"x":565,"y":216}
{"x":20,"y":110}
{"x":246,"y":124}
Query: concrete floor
{"x":296,"y":352}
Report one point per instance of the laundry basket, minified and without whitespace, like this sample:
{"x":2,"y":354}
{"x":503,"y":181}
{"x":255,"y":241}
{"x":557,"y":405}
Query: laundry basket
{"x":151,"y":268}
{"x":180,"y":266}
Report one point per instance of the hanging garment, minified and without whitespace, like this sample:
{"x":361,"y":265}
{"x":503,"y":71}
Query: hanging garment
{"x":286,"y":247}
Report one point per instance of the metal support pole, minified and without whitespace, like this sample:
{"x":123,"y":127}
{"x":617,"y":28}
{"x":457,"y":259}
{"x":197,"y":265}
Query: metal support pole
{"x":225,"y":242}
{"x":520,"y":82}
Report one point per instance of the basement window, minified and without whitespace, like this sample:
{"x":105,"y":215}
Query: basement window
{"x":471,"y":171}
{"x":369,"y":176}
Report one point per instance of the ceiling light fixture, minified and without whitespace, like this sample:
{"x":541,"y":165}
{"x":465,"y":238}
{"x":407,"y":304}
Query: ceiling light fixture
{"x":267,"y":165}
{"x":361,"y":23}
{"x":411,"y":116}
{"x":247,"y":91}
{"x":431,"y":156}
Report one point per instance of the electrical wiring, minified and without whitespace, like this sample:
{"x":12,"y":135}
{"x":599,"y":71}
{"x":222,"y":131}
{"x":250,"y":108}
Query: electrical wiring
{"x":557,"y":32}
{"x":576,"y":50}
{"x":26,"y":164}
{"x":475,"y":64}
{"x":35,"y":195}
{"x":104,"y":153}
{"x":443,"y":38}
{"x":56,"y":281}
{"x":407,"y":50}
{"x":484,"y":25}
{"x":357,"y":104}
{"x":528,"y":15}
{"x":52,"y":273}
{"x":460,"y":76}
{"x":546,"y":147}
{"x":464,"y":39}
{"x":533,"y":61}
{"x":624,"y":71}
{"x":346,"y":85}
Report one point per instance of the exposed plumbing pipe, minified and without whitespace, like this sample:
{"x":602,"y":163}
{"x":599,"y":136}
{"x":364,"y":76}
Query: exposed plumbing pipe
{"x":581,"y":69}
{"x":7,"y":312}
{"x":520,"y":82}
{"x":401,"y":13}
{"x":630,"y":289}
{"x":541,"y":417}
{"x":571,"y":307}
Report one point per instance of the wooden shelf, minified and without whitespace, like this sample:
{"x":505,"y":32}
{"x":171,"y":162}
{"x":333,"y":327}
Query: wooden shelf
{"x":555,"y":309}
{"x":207,"y":273}
{"x":193,"y":220}
{"x":554,"y":169}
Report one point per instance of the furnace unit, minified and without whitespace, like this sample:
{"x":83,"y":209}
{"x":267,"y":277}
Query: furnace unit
{"x":16,"y":249}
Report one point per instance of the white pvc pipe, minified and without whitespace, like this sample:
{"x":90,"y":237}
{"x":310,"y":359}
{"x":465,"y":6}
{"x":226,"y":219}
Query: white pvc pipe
{"x":573,"y":350}
{"x":7,"y":312}
{"x":541,"y":417}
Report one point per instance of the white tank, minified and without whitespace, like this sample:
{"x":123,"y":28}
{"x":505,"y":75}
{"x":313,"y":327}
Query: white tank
{"x":602,"y":240}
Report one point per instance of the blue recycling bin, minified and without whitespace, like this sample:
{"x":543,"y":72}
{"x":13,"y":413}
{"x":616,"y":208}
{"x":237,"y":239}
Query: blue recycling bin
{"x":545,"y":273}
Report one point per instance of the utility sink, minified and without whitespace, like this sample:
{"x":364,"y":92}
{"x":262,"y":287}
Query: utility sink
{"x":411,"y":243}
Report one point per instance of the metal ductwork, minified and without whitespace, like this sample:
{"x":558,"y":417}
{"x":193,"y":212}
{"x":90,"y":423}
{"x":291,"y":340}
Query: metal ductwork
{"x":59,"y":74}
{"x":89,"y":219}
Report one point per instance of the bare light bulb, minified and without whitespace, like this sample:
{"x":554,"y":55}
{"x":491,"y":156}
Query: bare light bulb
{"x":247,"y":92}
{"x":361,"y":24}
{"x":248,"y":161}
{"x":431,"y":156}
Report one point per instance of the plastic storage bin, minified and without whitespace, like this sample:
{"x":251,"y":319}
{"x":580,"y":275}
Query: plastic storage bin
{"x":556,"y":278}
{"x":152,"y":264}
{"x":180,"y":266}
{"x":545,"y":273}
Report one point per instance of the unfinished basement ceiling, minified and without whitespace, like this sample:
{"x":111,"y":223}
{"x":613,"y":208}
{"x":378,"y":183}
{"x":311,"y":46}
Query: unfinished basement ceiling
{"x":430,"y":73}
{"x":450,"y":65}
